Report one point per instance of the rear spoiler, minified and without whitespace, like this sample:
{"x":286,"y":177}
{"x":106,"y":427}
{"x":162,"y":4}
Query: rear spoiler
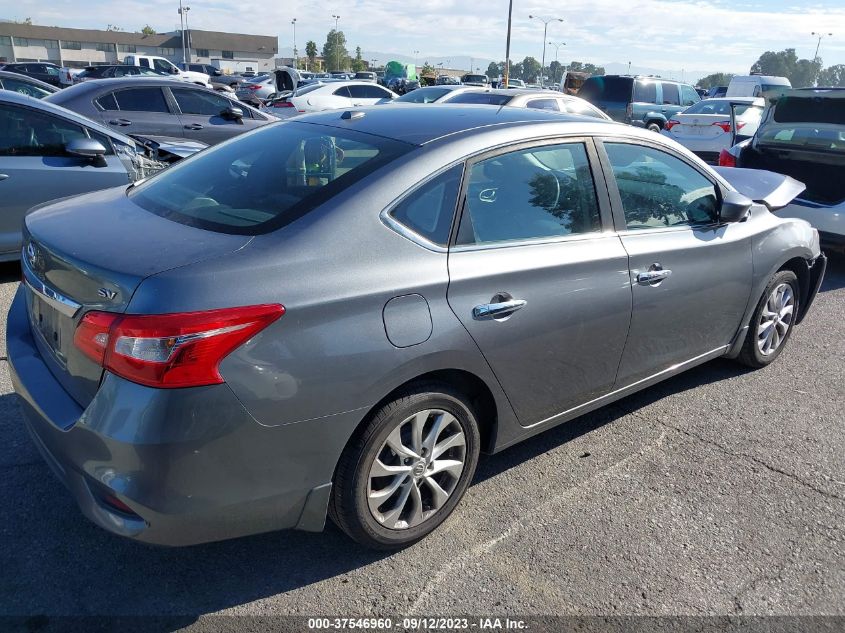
{"x":765,"y":187}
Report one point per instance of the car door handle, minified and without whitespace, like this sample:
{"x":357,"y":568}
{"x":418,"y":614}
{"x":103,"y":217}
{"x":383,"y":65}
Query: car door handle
{"x":4,"y":176}
{"x":120,"y":122}
{"x":652,"y":276}
{"x":193,"y":126}
{"x":491,"y":310}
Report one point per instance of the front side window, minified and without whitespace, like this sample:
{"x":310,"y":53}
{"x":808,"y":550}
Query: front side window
{"x":199,"y":102}
{"x":659,"y":190}
{"x":140,"y":100}
{"x":584,"y":108}
{"x":429,"y":209}
{"x":540,"y":192}
{"x":163,"y":66}
{"x":485,"y":98}
{"x":266,"y":179}
{"x":25,"y":132}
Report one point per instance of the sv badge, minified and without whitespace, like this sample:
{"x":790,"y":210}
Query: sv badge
{"x":105,"y":293}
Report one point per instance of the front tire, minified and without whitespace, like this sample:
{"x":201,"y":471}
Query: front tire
{"x":406,"y":471}
{"x":772,"y":322}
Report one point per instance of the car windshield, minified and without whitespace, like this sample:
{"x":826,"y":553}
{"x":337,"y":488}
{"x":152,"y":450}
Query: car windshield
{"x":712,"y":106}
{"x":423,"y":95}
{"x":607,"y":89}
{"x":485,"y":98}
{"x":266,"y":179}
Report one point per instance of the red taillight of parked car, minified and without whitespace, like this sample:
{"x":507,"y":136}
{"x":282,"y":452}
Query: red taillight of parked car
{"x":670,"y":124}
{"x":726,"y":125}
{"x":252,"y":87}
{"x":726,"y":159}
{"x":170,"y":350}
{"x":282,"y":104}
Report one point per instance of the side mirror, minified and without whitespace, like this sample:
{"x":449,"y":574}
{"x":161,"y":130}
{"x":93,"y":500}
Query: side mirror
{"x":233,"y":113}
{"x":174,"y":70}
{"x":735,"y":207}
{"x":87,"y":148}
{"x":218,"y":73}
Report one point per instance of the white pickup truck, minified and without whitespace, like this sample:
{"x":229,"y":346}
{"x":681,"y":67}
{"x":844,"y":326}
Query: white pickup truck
{"x":166,"y":66}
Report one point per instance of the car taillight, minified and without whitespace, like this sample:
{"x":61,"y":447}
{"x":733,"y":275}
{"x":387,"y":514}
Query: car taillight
{"x":253,"y":87}
{"x":670,"y":124}
{"x":282,"y":104}
{"x":629,"y":112}
{"x":726,"y":159}
{"x":726,"y":125}
{"x":170,"y":350}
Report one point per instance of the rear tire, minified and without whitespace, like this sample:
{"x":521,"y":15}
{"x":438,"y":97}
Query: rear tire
{"x":772,"y":322}
{"x":404,"y":473}
{"x":653,"y":126}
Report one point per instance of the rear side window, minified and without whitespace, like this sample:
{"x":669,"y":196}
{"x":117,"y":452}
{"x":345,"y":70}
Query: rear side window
{"x":139,"y":100}
{"x":343,"y":92}
{"x":540,"y":192}
{"x":423,"y":95}
{"x":544,"y":104}
{"x":264,"y":180}
{"x":645,"y":91}
{"x":581,"y":107}
{"x":607,"y":89}
{"x":429,"y":209}
{"x":671,"y":94}
{"x":484,"y":98}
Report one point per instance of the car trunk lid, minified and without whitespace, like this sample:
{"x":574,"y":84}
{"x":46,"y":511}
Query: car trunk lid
{"x":94,"y":259}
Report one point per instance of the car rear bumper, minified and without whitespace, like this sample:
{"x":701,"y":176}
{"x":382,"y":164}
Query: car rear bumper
{"x":191,"y":465}
{"x":829,"y":220}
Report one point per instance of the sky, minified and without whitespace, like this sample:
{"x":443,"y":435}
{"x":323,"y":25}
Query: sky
{"x":704,"y":35}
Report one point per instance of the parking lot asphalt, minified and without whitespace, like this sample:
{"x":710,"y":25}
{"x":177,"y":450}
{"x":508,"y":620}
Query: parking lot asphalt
{"x":720,"y":491}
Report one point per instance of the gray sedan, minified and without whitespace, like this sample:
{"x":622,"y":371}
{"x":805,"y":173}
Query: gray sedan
{"x":47,"y":152}
{"x":22,"y":84}
{"x":337,"y":314}
{"x":161,"y":107}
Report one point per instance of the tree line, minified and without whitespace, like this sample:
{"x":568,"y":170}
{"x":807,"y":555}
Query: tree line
{"x":529,"y":70}
{"x":800,"y":72}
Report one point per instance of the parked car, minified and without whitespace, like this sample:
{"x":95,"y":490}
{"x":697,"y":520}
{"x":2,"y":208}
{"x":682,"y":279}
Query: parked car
{"x":43,"y":71}
{"x":161,"y":107}
{"x":331,"y":96}
{"x":216,"y":77}
{"x":25,"y":85}
{"x":446,"y":80}
{"x":641,"y":101}
{"x":256,"y":90}
{"x":514,"y":83}
{"x":757,"y":86}
{"x":167,"y":67}
{"x":475,"y":80}
{"x":434,"y":94}
{"x":716,"y":92}
{"x":705,"y":128}
{"x":803,"y":135}
{"x":529,"y":98}
{"x":110,"y":71}
{"x":226,"y":318}
{"x":47,"y":152}
{"x":365,"y":76}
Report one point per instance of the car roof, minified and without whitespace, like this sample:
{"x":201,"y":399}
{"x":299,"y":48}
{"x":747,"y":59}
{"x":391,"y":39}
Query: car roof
{"x":7,"y":96}
{"x":418,"y":123}
{"x":735,"y":100}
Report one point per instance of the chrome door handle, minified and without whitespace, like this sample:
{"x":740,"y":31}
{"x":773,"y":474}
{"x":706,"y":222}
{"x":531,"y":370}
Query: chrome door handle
{"x":4,"y":176}
{"x":193,"y":126}
{"x":652,"y":276}
{"x":492,"y":310}
{"x":120,"y":122}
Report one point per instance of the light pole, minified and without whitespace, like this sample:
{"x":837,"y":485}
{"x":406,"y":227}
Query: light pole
{"x":187,"y":34}
{"x":820,"y":36}
{"x":182,"y":30}
{"x":557,"y":49}
{"x":416,"y":56}
{"x":508,"y":45}
{"x":545,"y":22}
{"x":295,"y":60}
{"x":336,"y":43}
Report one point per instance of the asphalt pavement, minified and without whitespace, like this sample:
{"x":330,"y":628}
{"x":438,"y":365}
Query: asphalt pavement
{"x":718,"y":492}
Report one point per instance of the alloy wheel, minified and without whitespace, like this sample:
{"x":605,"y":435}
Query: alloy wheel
{"x":775,"y":319}
{"x":417,"y":469}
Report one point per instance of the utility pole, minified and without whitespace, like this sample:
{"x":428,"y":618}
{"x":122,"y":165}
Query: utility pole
{"x":508,"y":45}
{"x":545,"y":22}
{"x":336,"y":43}
{"x":295,"y":60}
{"x":557,"y":49}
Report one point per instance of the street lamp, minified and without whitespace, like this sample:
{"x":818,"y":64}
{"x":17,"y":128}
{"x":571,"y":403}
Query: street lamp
{"x":508,"y":45}
{"x":557,"y":49}
{"x":186,"y":36}
{"x":545,"y":22}
{"x":336,"y":42}
{"x":820,"y":36}
{"x":295,"y":60}
{"x":416,"y":55}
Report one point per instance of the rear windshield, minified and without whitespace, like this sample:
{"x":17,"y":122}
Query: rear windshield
{"x":481,"y":97}
{"x":476,"y":79}
{"x":712,"y":106}
{"x":607,"y":89}
{"x":264,"y":180}
{"x":810,"y":110}
{"x":423,"y":95}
